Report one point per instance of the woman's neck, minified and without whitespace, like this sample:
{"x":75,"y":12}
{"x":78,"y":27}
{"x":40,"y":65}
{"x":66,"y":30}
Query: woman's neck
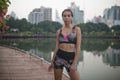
{"x":68,"y":25}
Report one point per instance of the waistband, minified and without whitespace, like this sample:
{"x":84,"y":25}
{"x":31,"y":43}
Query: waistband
{"x":65,"y":51}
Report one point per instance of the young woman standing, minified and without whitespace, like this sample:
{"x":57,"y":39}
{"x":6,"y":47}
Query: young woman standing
{"x":66,"y":54}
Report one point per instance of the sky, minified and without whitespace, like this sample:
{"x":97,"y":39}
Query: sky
{"x":91,"y":8}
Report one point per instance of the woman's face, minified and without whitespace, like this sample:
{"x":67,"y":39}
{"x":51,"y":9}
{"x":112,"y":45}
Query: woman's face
{"x":67,"y":17}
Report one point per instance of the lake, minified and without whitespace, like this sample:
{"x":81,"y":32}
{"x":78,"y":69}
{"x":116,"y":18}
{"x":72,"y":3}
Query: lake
{"x":99,"y":59}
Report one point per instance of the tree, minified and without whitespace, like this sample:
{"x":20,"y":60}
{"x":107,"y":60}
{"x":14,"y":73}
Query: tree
{"x":94,"y":29}
{"x":49,"y":26}
{"x":4,"y":4}
{"x":116,"y":29}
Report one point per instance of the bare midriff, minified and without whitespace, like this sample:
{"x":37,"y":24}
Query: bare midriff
{"x":67,"y":47}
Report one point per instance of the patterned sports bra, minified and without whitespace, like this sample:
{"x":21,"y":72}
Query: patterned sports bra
{"x":71,"y":38}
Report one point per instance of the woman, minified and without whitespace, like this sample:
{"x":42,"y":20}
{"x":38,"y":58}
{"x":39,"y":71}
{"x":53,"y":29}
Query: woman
{"x":68,"y":40}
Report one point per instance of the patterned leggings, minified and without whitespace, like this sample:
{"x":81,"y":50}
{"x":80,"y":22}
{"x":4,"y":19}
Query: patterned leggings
{"x":64,"y":59}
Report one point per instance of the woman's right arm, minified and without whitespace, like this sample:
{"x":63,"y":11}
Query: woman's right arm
{"x":56,"y":46}
{"x":55,"y":51}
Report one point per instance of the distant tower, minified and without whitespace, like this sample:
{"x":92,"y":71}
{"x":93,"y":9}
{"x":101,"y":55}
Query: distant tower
{"x":40,"y":14}
{"x":58,"y":18}
{"x":112,"y":15}
{"x":78,"y":15}
{"x":12,"y":14}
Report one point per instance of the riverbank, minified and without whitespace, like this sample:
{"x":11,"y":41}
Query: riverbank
{"x":53,"y":36}
{"x":26,"y":36}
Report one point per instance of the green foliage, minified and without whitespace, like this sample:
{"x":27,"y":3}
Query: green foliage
{"x":94,"y":29}
{"x":45,"y":27}
{"x":116,"y":28}
{"x":50,"y":28}
{"x":4,"y":4}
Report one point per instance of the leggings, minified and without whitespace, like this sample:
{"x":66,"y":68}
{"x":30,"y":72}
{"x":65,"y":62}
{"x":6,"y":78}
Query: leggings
{"x":63,"y":59}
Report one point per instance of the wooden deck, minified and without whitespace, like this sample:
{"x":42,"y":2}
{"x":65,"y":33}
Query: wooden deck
{"x":17,"y":65}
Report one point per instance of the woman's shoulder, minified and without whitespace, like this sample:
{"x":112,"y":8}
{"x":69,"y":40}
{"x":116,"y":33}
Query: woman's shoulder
{"x":58,"y":31}
{"x":77,"y":28}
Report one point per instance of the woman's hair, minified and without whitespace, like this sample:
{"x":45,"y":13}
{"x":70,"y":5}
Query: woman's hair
{"x":68,"y":11}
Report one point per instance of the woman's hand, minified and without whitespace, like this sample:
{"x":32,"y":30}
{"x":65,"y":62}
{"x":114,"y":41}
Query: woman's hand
{"x":50,"y":68}
{"x":73,"y":68}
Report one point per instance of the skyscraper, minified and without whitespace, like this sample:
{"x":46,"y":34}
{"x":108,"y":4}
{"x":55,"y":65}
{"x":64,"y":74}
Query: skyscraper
{"x":78,"y":15}
{"x":57,"y":18}
{"x":40,"y":14}
{"x":13,"y":14}
{"x":112,"y":15}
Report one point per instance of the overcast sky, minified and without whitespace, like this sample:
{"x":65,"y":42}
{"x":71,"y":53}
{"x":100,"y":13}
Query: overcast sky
{"x":91,"y":8}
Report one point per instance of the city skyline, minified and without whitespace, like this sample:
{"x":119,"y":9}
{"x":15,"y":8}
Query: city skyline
{"x":91,"y":7}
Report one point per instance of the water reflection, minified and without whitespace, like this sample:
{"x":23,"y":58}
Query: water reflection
{"x":99,"y":59}
{"x":95,"y":44}
{"x":111,"y":57}
{"x":93,"y":68}
{"x":44,"y":45}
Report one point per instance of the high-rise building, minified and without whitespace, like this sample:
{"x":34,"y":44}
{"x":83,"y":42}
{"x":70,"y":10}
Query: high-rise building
{"x":78,"y":15}
{"x":97,"y":19}
{"x":40,"y":14}
{"x":112,"y":15}
{"x":57,"y":18}
{"x":106,"y":14}
{"x":13,"y":14}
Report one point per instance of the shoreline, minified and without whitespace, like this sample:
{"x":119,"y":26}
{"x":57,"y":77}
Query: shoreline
{"x":53,"y":36}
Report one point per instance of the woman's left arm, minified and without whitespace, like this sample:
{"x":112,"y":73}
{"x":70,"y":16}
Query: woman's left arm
{"x":78,"y":45}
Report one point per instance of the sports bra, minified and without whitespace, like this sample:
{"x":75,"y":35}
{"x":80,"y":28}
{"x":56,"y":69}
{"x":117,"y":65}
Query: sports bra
{"x":71,"y":38}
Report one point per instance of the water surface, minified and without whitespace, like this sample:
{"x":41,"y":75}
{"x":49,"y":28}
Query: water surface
{"x":98,"y":60}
